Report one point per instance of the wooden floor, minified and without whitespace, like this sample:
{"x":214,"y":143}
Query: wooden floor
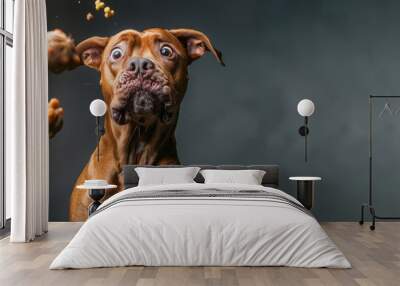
{"x":375,"y":257}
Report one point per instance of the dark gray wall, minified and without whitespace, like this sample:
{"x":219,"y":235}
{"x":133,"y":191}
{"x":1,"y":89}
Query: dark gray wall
{"x":277,"y":52}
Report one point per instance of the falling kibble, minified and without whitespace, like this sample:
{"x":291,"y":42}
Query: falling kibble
{"x":89,"y":16}
{"x":108,"y":12}
{"x":100,"y":5}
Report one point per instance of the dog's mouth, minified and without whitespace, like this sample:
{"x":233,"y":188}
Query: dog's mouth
{"x":142,"y":98}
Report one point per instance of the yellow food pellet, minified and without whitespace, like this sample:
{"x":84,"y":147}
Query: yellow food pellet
{"x":99,"y":6}
{"x":107,"y":10}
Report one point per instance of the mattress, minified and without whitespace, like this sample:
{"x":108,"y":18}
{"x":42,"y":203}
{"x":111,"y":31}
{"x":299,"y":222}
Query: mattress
{"x":201,"y":225}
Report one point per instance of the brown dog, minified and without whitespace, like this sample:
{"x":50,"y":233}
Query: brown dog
{"x":62,"y":56}
{"x":143,"y":77}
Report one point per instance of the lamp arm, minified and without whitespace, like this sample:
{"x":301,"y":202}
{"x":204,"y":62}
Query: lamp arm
{"x":305,"y":137}
{"x":98,"y":137}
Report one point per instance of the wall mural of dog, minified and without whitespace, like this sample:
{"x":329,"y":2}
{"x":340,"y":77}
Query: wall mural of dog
{"x":143,"y":78}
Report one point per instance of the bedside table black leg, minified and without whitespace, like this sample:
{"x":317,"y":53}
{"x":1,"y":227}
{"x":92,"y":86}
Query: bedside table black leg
{"x":96,"y":195}
{"x":93,"y":207}
{"x":361,"y":222}
{"x":372,"y":211}
{"x":305,"y":193}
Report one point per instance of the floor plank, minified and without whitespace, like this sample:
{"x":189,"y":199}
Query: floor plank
{"x":375,"y":257}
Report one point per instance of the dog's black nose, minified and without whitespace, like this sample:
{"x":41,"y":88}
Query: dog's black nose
{"x":141,"y":65}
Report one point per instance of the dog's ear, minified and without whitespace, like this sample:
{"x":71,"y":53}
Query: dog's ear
{"x":196,"y":44}
{"x":91,"y":50}
{"x":61,"y":52}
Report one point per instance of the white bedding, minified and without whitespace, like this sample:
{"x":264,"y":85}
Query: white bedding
{"x":200,"y":231}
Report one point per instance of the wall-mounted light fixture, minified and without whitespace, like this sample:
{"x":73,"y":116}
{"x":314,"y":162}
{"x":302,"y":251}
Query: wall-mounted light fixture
{"x":305,"y":108}
{"x":98,"y":108}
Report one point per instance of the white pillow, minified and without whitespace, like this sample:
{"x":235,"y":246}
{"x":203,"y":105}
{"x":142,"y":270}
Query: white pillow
{"x":163,"y":176}
{"x":248,"y":177}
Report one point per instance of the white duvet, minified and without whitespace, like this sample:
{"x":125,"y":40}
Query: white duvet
{"x":200,"y":231}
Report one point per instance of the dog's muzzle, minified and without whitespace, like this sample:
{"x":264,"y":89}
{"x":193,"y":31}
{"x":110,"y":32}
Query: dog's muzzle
{"x":141,"y":92}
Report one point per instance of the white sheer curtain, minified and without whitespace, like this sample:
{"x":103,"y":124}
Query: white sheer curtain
{"x":26,"y":124}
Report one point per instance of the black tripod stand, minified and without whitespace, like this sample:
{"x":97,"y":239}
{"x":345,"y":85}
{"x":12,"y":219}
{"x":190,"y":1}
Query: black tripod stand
{"x":100,"y":131}
{"x":370,"y":206}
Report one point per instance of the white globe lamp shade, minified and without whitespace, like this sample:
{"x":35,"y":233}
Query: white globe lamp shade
{"x":98,"y":107}
{"x":305,"y":107}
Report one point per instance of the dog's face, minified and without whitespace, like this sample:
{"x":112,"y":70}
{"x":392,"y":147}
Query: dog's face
{"x":144,"y":74}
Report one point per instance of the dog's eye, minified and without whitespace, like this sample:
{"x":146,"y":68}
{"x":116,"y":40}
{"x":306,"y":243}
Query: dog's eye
{"x":116,"y":54}
{"x":166,"y":51}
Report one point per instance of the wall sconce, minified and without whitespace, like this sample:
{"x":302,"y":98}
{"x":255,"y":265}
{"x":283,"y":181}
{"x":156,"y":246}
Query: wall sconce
{"x":305,"y":108}
{"x":98,"y":108}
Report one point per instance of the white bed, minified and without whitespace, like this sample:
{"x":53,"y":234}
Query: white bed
{"x":185,"y":230}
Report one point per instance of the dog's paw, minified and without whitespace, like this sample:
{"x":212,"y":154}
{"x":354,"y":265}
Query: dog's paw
{"x":56,"y":117}
{"x":61,"y":52}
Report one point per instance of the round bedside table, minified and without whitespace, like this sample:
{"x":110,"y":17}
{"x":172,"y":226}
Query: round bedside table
{"x":96,"y":193}
{"x":305,"y":190}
